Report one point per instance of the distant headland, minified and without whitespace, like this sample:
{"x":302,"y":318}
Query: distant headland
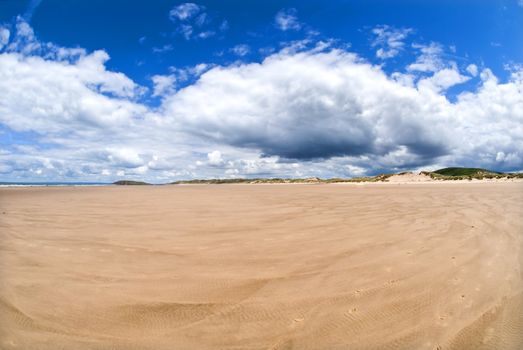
{"x":445,"y":174}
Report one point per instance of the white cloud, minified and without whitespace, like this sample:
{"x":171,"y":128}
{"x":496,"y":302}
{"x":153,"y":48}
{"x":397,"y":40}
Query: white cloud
{"x":241,"y":50}
{"x":286,"y":19}
{"x":306,"y":106}
{"x":442,"y":80}
{"x":125,"y":157}
{"x":4,"y":36}
{"x":215,"y":158}
{"x":185,"y":11}
{"x":319,"y":105}
{"x":472,"y":69}
{"x":24,"y":41}
{"x":429,"y":59}
{"x":50,"y":96}
{"x":193,"y":22}
{"x":166,"y":84}
{"x":310,"y":111}
{"x":390,"y":40}
{"x":163,"y":84}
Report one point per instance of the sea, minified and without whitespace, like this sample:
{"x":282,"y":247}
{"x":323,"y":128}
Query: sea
{"x":47,"y":184}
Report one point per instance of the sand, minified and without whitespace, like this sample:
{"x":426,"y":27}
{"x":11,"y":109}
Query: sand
{"x":410,"y":177}
{"x":374,"y":266}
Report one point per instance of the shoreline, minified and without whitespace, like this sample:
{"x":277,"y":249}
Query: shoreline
{"x":352,"y":183}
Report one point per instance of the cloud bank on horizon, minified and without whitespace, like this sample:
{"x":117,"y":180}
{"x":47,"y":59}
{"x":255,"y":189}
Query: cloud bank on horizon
{"x":313,"y":106}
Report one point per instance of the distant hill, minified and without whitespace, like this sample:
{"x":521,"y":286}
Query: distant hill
{"x":452,"y":174}
{"x":455,"y":171}
{"x":130,"y":183}
{"x":310,"y":180}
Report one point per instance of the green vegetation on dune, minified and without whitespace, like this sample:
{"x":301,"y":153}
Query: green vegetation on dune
{"x":250,"y":181}
{"x":455,"y":171}
{"x":311,"y":180}
{"x":130,"y":183}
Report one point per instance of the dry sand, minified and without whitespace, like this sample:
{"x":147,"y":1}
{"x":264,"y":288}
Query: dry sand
{"x":379,"y":266}
{"x":410,"y":177}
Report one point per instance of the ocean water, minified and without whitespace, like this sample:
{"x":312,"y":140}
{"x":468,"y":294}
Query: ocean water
{"x":45,"y":184}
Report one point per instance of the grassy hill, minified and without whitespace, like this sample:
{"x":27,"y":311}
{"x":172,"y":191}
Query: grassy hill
{"x":454,"y":173}
{"x":310,"y":180}
{"x":129,"y":183}
{"x":464,"y":171}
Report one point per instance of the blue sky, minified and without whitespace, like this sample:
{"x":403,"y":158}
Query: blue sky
{"x":164,"y":90}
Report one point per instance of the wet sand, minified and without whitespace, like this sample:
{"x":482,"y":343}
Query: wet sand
{"x":375,"y":266}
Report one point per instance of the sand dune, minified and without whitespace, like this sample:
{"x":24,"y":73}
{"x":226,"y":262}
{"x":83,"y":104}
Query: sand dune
{"x":378,"y":266}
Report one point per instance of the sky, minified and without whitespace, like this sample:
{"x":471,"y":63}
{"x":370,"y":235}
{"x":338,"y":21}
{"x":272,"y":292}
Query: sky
{"x":164,"y":90}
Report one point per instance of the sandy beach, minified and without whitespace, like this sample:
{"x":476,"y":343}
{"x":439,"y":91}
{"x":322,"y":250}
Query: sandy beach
{"x":347,"y":266}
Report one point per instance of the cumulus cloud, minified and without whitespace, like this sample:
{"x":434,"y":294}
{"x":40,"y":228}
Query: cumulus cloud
{"x":389,"y":40}
{"x":163,"y":85}
{"x":311,"y":111}
{"x":429,"y":59}
{"x":312,"y":106}
{"x":124,"y":157}
{"x":215,"y":158}
{"x":49,"y":96}
{"x":287,"y":19}
{"x":442,"y":80}
{"x":491,"y":122}
{"x":67,"y":104}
